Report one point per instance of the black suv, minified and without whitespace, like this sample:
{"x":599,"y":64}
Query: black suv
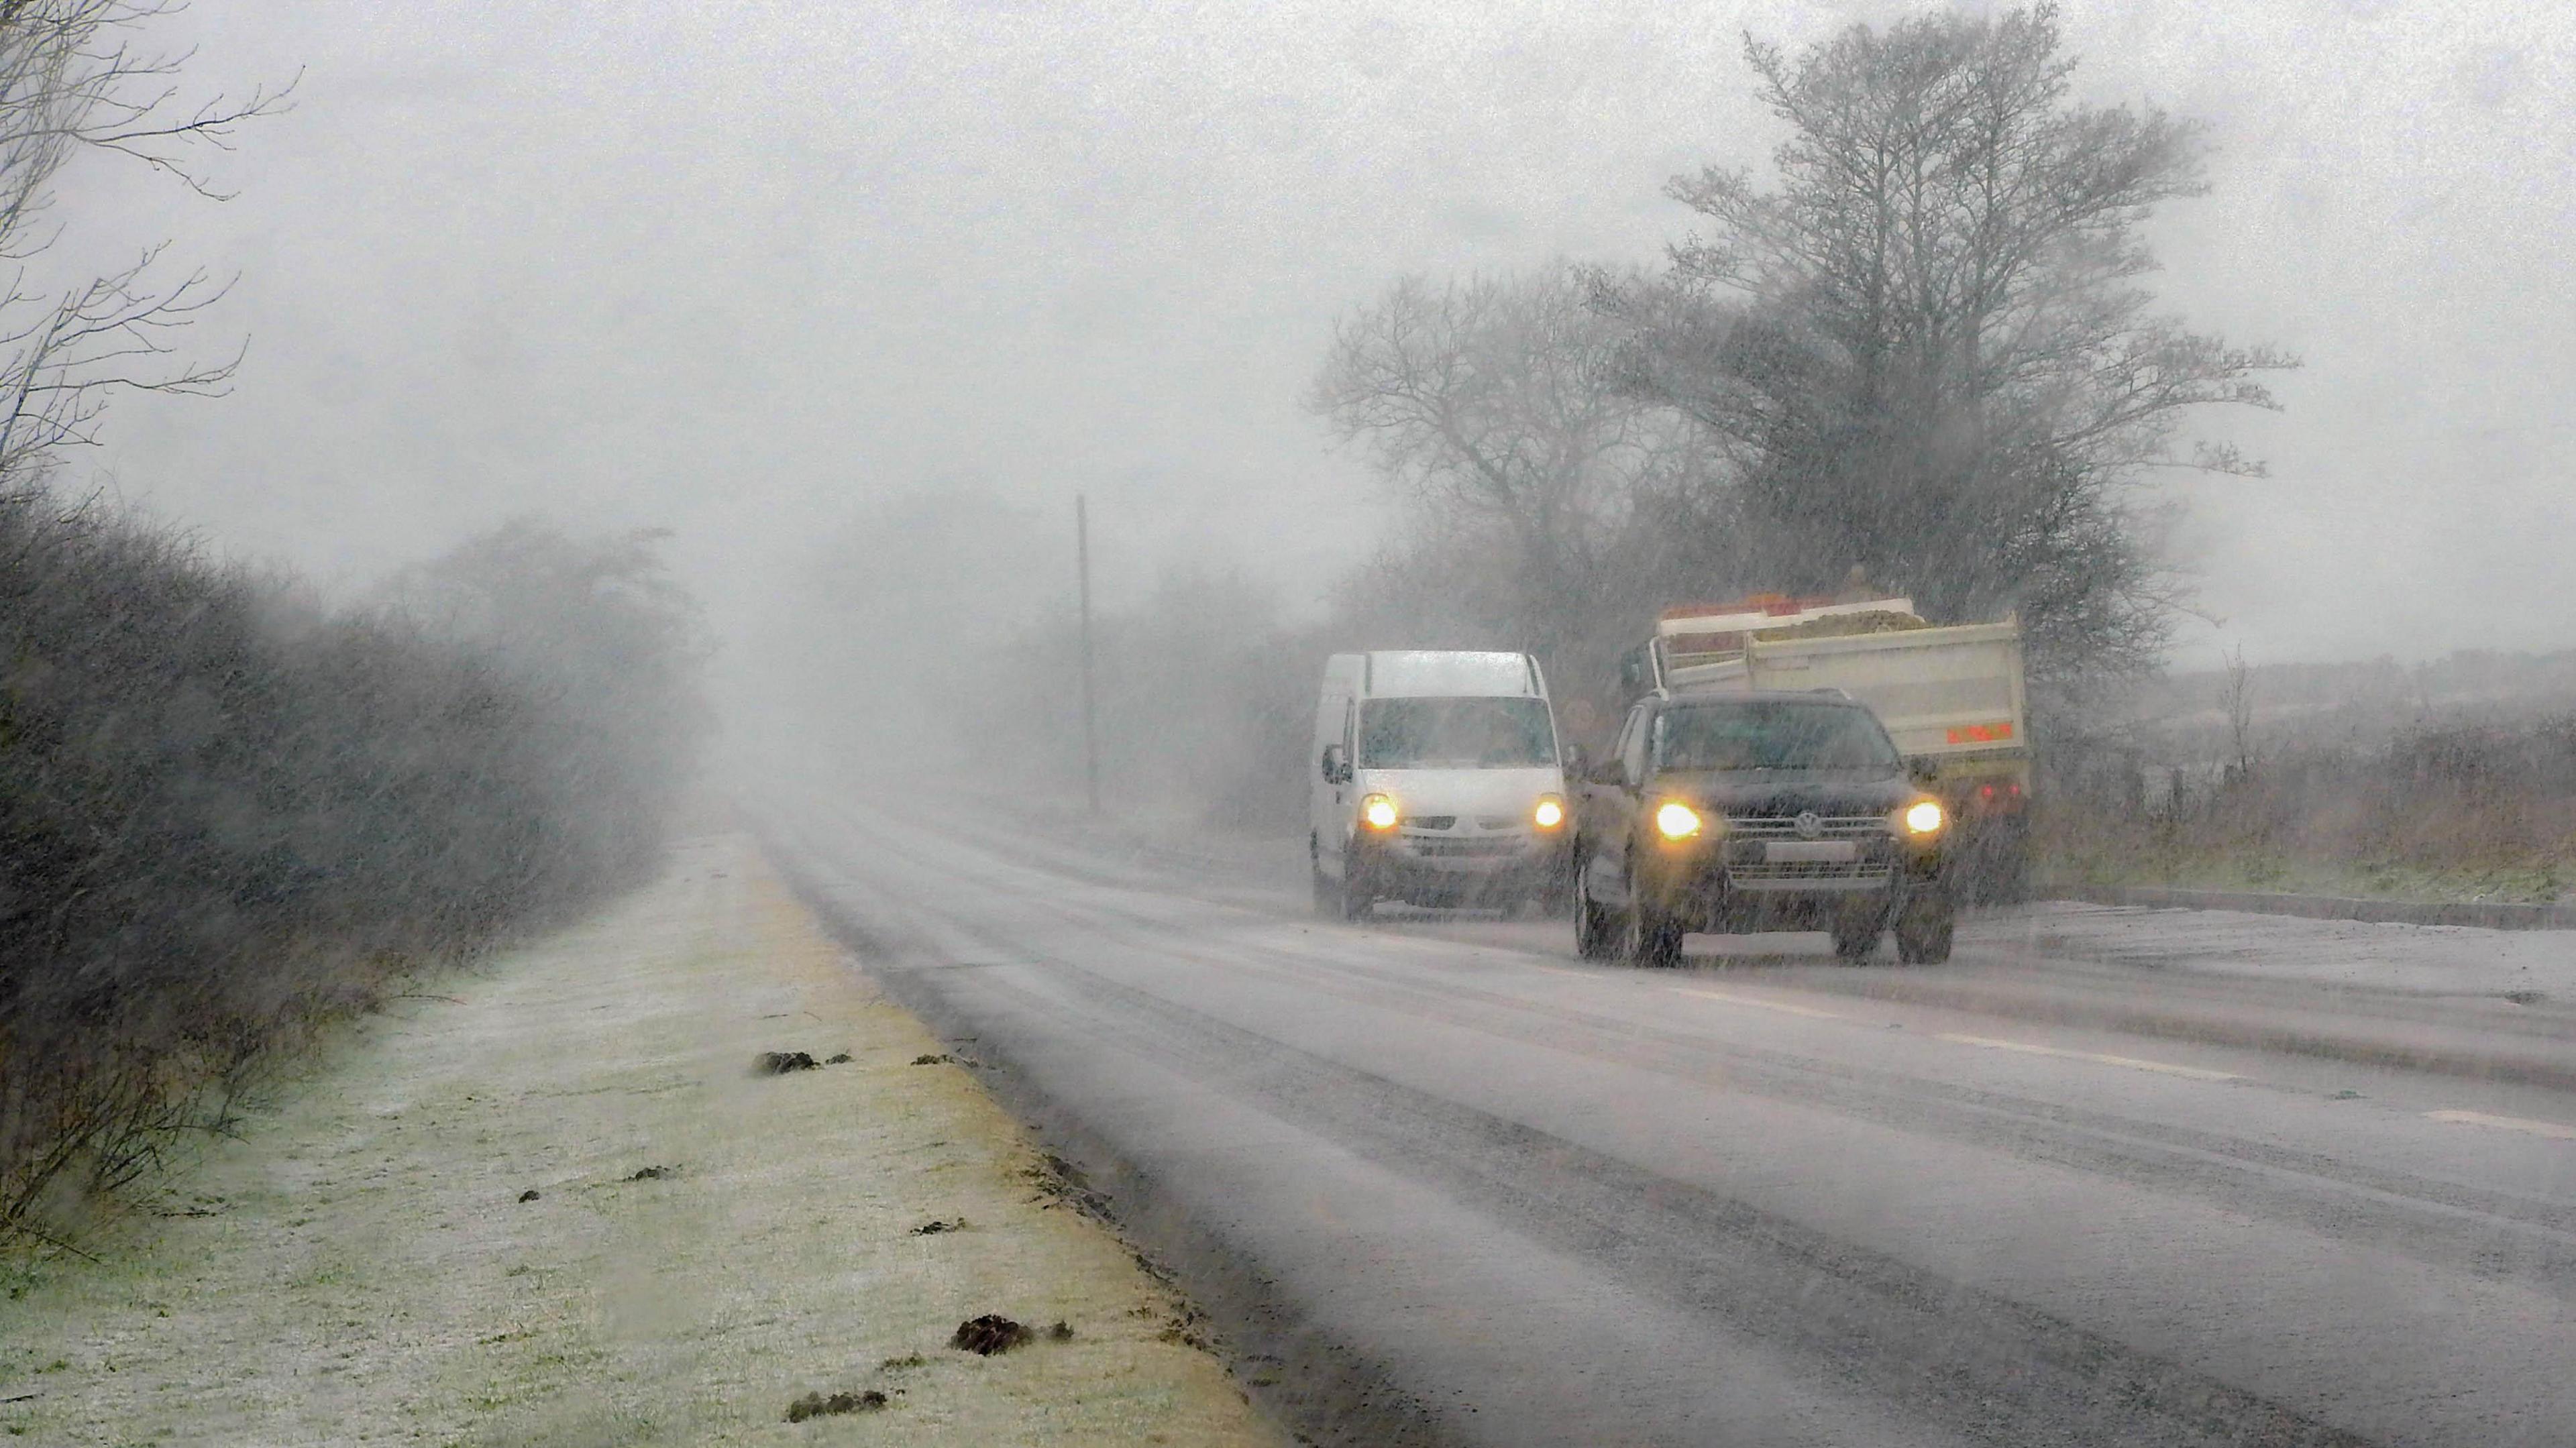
{"x":1757,"y":811}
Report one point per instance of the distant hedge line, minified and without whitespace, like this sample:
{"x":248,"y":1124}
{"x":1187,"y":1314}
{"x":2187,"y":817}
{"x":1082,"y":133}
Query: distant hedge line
{"x":229,"y":814}
{"x":2486,"y":799}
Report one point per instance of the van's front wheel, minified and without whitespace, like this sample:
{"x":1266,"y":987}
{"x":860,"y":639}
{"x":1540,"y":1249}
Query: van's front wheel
{"x":1354,"y":896}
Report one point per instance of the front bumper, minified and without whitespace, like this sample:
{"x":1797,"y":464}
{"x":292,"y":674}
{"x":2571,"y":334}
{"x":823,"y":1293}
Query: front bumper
{"x":1761,"y":879}
{"x":1427,"y":869}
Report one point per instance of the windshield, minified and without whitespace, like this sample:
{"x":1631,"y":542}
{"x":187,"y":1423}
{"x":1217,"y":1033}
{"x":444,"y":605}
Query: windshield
{"x":1771,"y":734}
{"x":1456,"y":734}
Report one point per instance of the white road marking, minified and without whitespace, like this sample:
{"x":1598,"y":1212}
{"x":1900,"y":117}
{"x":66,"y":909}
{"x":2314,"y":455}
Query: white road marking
{"x":2507,"y":1123}
{"x":1737,"y":1000}
{"x":2196,"y":1073}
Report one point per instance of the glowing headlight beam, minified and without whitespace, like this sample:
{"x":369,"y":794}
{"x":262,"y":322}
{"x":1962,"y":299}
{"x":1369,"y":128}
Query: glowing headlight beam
{"x":1677,"y":820}
{"x":1924,"y":817}
{"x":1379,"y":812}
{"x":1549,"y":814}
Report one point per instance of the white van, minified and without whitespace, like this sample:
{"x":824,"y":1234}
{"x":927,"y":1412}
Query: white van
{"x":1437,"y":781}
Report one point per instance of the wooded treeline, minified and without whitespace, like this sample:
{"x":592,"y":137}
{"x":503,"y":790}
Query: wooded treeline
{"x":1921,"y":348}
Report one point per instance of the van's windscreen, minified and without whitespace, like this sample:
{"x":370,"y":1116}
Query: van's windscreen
{"x":1771,"y":734}
{"x":1455,"y":734}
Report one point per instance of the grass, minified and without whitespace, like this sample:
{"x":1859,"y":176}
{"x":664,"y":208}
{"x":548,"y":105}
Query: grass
{"x":416,"y":1296}
{"x":2181,"y":858}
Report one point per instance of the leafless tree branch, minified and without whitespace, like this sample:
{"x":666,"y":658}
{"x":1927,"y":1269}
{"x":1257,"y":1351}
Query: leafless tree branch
{"x":74,"y":80}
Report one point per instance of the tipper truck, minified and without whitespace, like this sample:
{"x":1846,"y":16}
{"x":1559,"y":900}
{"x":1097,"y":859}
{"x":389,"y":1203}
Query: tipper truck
{"x":1950,"y":696}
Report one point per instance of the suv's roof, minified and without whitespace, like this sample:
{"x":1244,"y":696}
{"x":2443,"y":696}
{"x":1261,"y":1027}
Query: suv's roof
{"x":1834,"y":697}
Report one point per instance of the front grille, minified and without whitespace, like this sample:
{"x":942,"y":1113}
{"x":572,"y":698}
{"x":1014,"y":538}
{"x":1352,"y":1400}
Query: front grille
{"x":1430,"y":822}
{"x":1858,"y":872}
{"x":1468,"y":848}
{"x":1497,"y":822}
{"x":1785,"y":827}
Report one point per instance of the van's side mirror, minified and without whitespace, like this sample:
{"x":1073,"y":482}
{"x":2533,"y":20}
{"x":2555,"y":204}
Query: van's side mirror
{"x":1922,"y":771}
{"x":1337,"y":768}
{"x":1610,"y":771}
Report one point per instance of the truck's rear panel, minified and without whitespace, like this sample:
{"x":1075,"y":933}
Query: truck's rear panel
{"x":1943,"y":693}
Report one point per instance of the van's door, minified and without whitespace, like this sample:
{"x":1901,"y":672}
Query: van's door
{"x":1330,"y":804}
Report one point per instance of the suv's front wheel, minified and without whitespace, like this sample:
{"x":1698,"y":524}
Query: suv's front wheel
{"x":1856,"y":933}
{"x":1923,"y":931}
{"x":1648,"y":936}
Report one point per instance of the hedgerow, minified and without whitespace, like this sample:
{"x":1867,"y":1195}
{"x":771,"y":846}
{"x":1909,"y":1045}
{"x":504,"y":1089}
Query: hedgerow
{"x":230,"y":815}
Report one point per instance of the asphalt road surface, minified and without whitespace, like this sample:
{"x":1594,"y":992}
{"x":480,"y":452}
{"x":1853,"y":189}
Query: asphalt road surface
{"x":1438,"y":1181}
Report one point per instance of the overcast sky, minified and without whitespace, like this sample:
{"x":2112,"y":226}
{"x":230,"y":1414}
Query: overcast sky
{"x":737,"y":269}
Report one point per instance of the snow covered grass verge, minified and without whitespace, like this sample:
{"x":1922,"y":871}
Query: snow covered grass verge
{"x":570,"y":1206}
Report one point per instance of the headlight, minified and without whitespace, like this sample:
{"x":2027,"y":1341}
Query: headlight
{"x":1379,"y":811}
{"x":1677,"y":820}
{"x":1924,"y":817}
{"x":1550,"y":812}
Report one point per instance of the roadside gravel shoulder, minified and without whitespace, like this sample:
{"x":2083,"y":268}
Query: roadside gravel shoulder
{"x":705,"y":1244}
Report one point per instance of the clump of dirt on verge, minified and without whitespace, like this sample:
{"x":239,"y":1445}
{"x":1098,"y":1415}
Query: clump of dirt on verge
{"x":529,"y":1195}
{"x":815,"y":1405}
{"x":931,"y":1060}
{"x":779,"y":1063}
{"x":989,"y":1334}
{"x":1061,"y":1332}
{"x":935,"y":1226}
{"x":654,"y":1174}
{"x":841,"y":1059}
{"x":1060,"y":1182}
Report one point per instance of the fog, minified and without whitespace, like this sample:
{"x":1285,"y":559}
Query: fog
{"x":546,"y":729}
{"x":744,"y":271}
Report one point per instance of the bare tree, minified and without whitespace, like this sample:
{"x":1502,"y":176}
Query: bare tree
{"x":1493,"y":406}
{"x":1927,"y":350}
{"x":73,"y":80}
{"x":2236,"y":697}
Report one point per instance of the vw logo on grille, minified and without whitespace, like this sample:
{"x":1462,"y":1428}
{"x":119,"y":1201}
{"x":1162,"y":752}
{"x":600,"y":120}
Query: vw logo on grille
{"x":1809,"y":826}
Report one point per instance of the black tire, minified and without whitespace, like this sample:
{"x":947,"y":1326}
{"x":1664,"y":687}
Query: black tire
{"x":1648,"y":937}
{"x":1355,"y":896}
{"x":1328,"y":891}
{"x":2008,"y":876}
{"x":1595,"y":929}
{"x":1994,"y":866}
{"x":1554,"y":898}
{"x":1923,"y":932}
{"x":1855,"y":945}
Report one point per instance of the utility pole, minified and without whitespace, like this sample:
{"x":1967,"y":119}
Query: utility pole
{"x":1090,"y":724}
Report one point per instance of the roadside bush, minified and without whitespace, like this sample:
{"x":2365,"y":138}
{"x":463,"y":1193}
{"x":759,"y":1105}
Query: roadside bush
{"x":228,"y":814}
{"x":2487,"y":804}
